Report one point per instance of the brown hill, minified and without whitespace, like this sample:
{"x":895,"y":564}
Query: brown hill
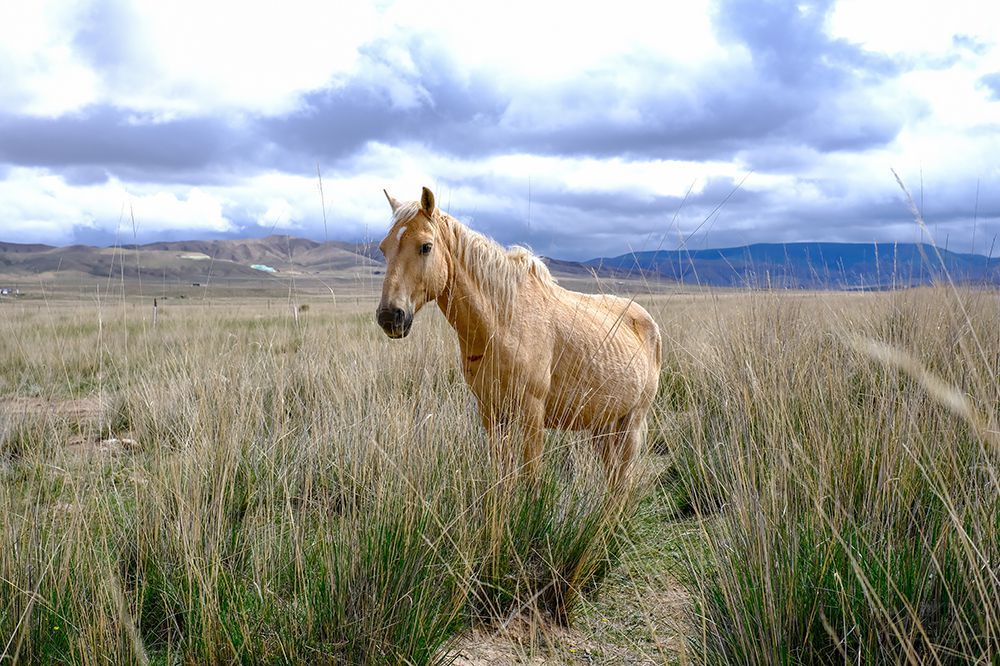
{"x":187,"y":260}
{"x":114,"y":262}
{"x":198,"y":259}
{"x":285,"y":253}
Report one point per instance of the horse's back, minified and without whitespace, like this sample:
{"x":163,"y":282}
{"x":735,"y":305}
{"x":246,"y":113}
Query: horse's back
{"x":606,"y":361}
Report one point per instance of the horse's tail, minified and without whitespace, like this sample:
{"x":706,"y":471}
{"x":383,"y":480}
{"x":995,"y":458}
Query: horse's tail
{"x":657,"y":343}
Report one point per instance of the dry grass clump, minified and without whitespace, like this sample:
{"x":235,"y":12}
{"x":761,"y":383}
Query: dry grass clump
{"x":844,"y":464}
{"x":299,"y":491}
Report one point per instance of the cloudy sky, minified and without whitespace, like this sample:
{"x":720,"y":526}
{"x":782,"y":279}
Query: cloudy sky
{"x":631,"y":126}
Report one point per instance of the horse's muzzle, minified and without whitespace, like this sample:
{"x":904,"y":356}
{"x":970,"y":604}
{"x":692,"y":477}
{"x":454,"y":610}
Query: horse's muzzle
{"x":395,"y":322}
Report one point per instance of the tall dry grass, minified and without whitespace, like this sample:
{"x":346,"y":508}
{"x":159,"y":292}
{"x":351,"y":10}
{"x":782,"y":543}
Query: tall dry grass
{"x":843,"y":463}
{"x":302,"y":490}
{"x":248,"y":486}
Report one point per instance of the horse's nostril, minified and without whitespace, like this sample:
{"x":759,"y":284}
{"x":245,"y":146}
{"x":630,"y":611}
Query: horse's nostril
{"x":393,"y":320}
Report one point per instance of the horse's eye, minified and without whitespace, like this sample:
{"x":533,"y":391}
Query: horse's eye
{"x":425,"y":248}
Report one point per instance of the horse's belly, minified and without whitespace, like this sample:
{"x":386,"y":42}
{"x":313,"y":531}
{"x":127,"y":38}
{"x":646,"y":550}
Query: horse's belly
{"x":585,"y":399}
{"x":595,"y":385}
{"x":587,"y":369}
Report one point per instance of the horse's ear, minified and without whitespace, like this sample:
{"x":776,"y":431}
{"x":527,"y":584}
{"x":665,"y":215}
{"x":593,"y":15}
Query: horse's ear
{"x":392,"y":202}
{"x":427,"y":201}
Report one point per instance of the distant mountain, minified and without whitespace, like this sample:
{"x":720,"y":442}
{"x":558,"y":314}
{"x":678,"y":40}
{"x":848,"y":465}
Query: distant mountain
{"x":808,"y":265}
{"x":789,"y":265}
{"x":187,"y":260}
{"x":285,"y":253}
{"x":570,"y":268}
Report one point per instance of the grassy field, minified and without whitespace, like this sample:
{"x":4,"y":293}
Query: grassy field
{"x":271,"y":480}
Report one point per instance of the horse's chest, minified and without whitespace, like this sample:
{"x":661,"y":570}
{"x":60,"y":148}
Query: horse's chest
{"x":501,"y":376}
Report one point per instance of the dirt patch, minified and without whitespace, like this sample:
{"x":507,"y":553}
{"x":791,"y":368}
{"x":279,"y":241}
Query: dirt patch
{"x":667,"y":612}
{"x":80,"y":423}
{"x":556,"y":645}
{"x":623,"y":629}
{"x":481,"y":648}
{"x":72,"y":409}
{"x":83,"y":446}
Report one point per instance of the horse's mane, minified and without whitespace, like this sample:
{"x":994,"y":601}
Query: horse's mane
{"x":498,"y":271}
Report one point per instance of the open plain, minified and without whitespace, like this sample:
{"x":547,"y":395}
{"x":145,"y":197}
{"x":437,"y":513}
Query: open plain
{"x":261,"y":476}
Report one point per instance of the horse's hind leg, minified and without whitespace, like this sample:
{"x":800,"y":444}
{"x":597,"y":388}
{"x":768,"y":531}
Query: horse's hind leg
{"x":619,"y":444}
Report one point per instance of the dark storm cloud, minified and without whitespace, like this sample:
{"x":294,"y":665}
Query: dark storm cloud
{"x":802,"y":89}
{"x":580,"y":223}
{"x":816,"y":86}
{"x":790,"y":45}
{"x":106,"y":138}
{"x":84,"y":175}
{"x":333,"y":124}
{"x":797,"y":95}
{"x":336,"y":123}
{"x":102,"y":237}
{"x":583,"y":224}
{"x":90,"y":145}
{"x":663,"y":124}
{"x":950,"y":210}
{"x":593,"y":204}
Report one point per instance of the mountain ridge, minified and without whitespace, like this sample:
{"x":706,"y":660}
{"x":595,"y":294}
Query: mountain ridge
{"x":809,"y":265}
{"x":796,"y":265}
{"x":186,"y":259}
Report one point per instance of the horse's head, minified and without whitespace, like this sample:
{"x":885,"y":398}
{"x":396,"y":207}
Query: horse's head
{"x":417,"y":263}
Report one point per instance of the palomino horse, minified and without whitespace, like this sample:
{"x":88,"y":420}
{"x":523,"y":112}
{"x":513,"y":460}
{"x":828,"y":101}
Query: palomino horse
{"x":535,"y":355}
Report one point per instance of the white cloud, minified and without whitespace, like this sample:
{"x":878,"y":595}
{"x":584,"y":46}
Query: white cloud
{"x":279,"y":214}
{"x":191,"y":57}
{"x":36,"y":204}
{"x":909,"y":27}
{"x":168,"y":211}
{"x":40,"y":72}
{"x":183,"y":57}
{"x":257,"y":57}
{"x":528,"y":40}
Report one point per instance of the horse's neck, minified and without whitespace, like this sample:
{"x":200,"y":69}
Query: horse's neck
{"x":465,"y":302}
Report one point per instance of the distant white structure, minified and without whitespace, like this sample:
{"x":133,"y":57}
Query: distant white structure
{"x":10,"y":291}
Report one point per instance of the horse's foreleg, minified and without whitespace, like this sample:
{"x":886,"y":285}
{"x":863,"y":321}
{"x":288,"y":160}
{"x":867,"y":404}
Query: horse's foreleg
{"x":497,"y":435}
{"x":533,"y":427}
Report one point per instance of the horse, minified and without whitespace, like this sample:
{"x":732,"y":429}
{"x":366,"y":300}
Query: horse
{"x":534,"y":354}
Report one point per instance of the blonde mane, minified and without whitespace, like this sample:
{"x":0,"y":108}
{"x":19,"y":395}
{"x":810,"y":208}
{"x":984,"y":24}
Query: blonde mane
{"x":498,"y":271}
